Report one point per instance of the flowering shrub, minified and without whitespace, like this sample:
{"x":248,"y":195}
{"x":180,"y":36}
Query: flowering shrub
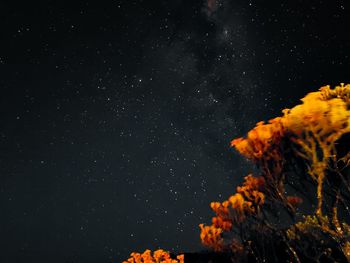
{"x":305,"y":140}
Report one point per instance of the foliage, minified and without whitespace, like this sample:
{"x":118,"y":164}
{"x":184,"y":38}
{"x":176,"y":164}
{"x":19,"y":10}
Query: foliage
{"x":310,"y":139}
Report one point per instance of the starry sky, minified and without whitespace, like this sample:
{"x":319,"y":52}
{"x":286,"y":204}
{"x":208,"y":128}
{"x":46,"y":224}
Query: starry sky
{"x":116,"y":116}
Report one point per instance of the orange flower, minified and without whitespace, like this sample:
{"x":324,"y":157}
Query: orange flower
{"x":211,"y":237}
{"x":261,"y":140}
{"x":159,"y":256}
{"x":224,"y":224}
{"x":220,"y":209}
{"x":237,"y":202}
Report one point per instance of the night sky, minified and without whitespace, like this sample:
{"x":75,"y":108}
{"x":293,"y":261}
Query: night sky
{"x":116,"y":116}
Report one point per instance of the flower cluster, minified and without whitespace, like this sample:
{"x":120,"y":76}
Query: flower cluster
{"x":324,"y":113}
{"x":211,"y":236}
{"x":261,"y":141}
{"x":247,"y":201}
{"x":159,"y":256}
{"x":313,"y":126}
{"x":252,"y":194}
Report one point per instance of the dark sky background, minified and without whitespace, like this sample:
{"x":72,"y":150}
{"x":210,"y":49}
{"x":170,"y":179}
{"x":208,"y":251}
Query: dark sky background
{"x":116,"y":116}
